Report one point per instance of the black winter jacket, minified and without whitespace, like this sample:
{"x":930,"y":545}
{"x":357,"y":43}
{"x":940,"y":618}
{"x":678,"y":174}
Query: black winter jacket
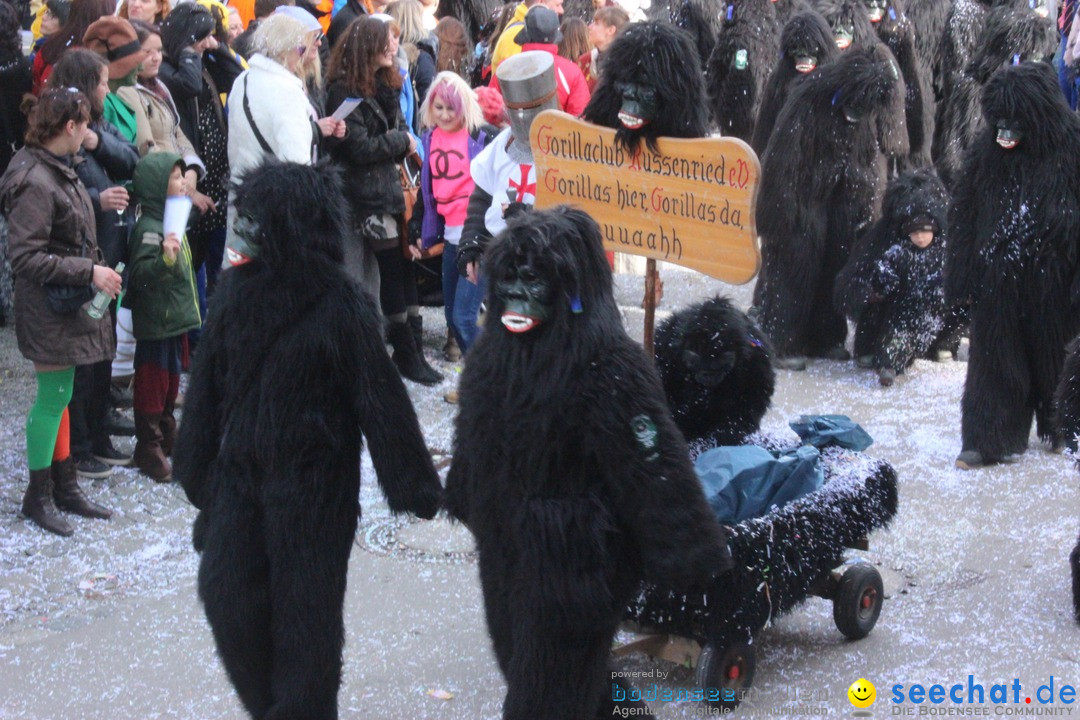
{"x":111,"y":163}
{"x":376,"y":140}
{"x":193,"y":82}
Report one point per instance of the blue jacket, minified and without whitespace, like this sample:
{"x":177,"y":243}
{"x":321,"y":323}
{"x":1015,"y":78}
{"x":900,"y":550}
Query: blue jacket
{"x":431,"y":228}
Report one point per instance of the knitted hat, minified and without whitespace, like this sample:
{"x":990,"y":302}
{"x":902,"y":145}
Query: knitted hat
{"x":920,"y":223}
{"x":114,"y":39}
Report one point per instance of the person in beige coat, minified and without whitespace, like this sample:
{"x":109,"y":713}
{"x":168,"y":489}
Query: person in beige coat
{"x":157,"y":120}
{"x":58,"y":267}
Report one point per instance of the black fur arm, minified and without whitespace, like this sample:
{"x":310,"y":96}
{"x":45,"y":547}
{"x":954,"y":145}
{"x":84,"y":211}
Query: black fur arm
{"x":474,"y":235}
{"x":658,"y":498}
{"x":388,"y":420}
{"x":199,"y":435}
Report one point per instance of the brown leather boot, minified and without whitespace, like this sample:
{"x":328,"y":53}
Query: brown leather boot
{"x":149,"y":457}
{"x":70,"y":497}
{"x":38,"y":505}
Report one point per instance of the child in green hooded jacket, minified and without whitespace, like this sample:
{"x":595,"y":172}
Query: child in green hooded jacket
{"x":164,"y":306}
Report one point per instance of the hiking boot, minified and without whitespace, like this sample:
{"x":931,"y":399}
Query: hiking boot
{"x":451,"y":397}
{"x":90,"y":467}
{"x":38,"y":505}
{"x":886,"y":376}
{"x":70,"y":497}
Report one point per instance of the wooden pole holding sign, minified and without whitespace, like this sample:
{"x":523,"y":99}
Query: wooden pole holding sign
{"x":649,"y":305}
{"x":691,"y":203}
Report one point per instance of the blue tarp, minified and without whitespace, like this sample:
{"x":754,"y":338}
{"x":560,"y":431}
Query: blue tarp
{"x":747,"y":481}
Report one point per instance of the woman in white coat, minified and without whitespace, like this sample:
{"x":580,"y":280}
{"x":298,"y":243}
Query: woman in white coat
{"x":269,"y":109}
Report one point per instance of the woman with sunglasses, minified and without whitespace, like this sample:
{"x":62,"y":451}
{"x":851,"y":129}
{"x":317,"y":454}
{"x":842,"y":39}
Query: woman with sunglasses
{"x":270,"y":112}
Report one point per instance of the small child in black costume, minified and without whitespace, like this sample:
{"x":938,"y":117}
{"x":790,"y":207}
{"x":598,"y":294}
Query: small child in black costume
{"x":893,"y":284}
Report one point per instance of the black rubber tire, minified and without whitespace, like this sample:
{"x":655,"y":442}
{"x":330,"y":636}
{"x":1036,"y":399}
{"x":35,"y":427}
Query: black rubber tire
{"x":729,"y":669}
{"x":857,"y":603}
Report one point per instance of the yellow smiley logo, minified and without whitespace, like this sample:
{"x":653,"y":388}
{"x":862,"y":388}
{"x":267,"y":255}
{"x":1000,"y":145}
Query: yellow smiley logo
{"x":862,"y":693}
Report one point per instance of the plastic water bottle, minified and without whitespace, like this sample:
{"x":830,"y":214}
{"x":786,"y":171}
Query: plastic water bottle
{"x":100,"y":303}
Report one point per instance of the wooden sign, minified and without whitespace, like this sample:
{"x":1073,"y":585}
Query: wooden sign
{"x":691,"y":204}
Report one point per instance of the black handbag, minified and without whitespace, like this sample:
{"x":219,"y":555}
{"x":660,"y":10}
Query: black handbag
{"x":66,"y":299}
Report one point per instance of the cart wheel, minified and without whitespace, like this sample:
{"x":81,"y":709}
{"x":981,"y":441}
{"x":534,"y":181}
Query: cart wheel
{"x":857,"y":602}
{"x":729,"y":670}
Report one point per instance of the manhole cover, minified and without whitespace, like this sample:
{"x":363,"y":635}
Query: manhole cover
{"x":428,"y":541}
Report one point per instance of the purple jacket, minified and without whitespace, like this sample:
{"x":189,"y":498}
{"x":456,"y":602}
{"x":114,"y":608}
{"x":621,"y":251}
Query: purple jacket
{"x":431,"y":228}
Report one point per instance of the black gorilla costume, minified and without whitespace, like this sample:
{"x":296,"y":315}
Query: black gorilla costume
{"x":700,"y":19}
{"x":745,"y":52}
{"x":821,"y":183}
{"x":806,"y":43}
{"x":1008,"y":36}
{"x":962,"y":29}
{"x":1067,"y":398}
{"x":1067,"y":401}
{"x":716,"y":368}
{"x":893,"y":290}
{"x":659,"y":58}
{"x":291,"y":369}
{"x":850,"y":22}
{"x":897,"y":31}
{"x":568,"y":469}
{"x":1015,"y":255}
{"x":930,"y":18}
{"x":787,"y":9}
{"x":959,"y":43}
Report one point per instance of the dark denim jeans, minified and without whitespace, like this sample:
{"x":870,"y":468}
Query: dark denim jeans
{"x":467,"y":299}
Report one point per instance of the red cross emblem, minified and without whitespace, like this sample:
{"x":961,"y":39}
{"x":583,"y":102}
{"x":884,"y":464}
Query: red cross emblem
{"x":523,"y":187}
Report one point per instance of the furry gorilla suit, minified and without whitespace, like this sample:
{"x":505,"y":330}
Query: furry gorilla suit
{"x":735,"y":94}
{"x":568,"y":470}
{"x":1006,"y":34}
{"x":1015,"y":254}
{"x":290,"y":370}
{"x":821,"y":183}
{"x":962,"y":29}
{"x":1067,"y":401}
{"x":700,"y":19}
{"x":897,"y":329}
{"x":806,"y":43}
{"x":717,"y":372}
{"x":661,"y":57}
{"x":930,"y":18}
{"x":1067,"y":398}
{"x":850,"y":17}
{"x":897,"y":31}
